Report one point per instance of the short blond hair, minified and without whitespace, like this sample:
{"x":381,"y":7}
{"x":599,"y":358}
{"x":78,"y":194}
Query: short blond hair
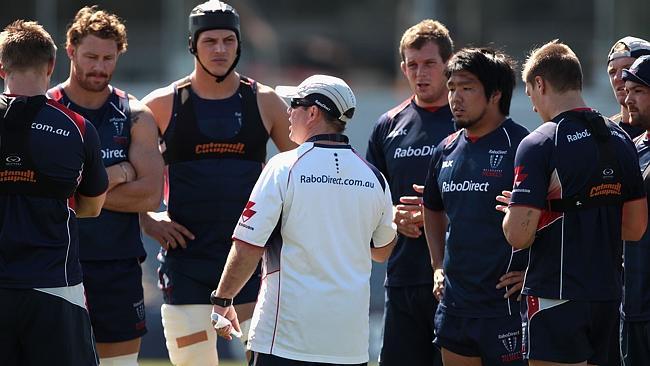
{"x":426,"y":31}
{"x":557,"y":64}
{"x":90,"y":20}
{"x":25,"y":45}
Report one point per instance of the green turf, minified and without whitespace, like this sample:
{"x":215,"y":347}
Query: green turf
{"x":167,"y":363}
{"x":223,"y":363}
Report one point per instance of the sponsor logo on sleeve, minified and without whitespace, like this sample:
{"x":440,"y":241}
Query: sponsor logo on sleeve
{"x":520,"y":176}
{"x":447,"y":164}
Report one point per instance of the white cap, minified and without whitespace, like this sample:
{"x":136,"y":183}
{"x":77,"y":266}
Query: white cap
{"x":328,"y":92}
{"x":633,"y":47}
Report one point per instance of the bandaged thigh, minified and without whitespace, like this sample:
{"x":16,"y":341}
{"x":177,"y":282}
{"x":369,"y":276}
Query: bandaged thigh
{"x":190,"y":338}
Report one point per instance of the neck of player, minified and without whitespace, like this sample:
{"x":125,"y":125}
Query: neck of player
{"x":490,"y":121}
{"x":28,"y":83}
{"x":206,"y":87}
{"x":558,"y":103}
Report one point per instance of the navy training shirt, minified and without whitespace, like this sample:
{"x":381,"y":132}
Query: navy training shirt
{"x":463,"y":180}
{"x":216,"y":150}
{"x":636,"y":289}
{"x":111,"y":235}
{"x":400,"y":146}
{"x":39,"y":245}
{"x":576,"y":255}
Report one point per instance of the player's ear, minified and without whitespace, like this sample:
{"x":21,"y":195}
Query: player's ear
{"x":495,"y":97}
{"x":69,"y":49}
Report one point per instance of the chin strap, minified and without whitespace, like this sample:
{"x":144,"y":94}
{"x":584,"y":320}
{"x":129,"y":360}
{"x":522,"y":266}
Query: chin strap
{"x":223,"y":77}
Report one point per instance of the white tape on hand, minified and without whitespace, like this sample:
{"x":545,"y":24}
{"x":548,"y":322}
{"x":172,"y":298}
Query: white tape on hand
{"x":221,"y":322}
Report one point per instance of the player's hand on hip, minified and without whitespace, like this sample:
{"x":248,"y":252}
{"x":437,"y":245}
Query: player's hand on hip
{"x":168,"y":233}
{"x":439,"y":283}
{"x":504,"y":198}
{"x":513,"y":281}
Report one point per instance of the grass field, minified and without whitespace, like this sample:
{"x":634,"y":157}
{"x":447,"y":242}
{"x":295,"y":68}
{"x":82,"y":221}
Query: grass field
{"x":225,"y":363}
{"x":167,"y":363}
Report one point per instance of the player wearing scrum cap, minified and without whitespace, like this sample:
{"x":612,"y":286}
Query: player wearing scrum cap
{"x":621,"y":56}
{"x":636,"y":300}
{"x":215,"y":124}
{"x":317,"y":215}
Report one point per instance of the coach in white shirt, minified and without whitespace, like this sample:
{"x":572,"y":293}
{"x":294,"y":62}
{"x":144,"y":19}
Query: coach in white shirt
{"x":317,"y":215}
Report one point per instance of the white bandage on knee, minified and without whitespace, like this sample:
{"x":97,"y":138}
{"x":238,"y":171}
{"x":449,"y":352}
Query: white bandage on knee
{"x":190,"y":338}
{"x":124,"y":360}
{"x":244,"y":326}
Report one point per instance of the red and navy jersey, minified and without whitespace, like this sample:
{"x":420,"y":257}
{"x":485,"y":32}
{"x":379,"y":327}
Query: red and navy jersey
{"x":111,"y":235}
{"x":464,"y":178}
{"x":39,"y":246}
{"x":576,"y":254}
{"x":215,"y":151}
{"x":636,"y":289}
{"x":400,"y":146}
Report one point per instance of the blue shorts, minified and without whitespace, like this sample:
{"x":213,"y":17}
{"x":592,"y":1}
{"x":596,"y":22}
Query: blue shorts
{"x":264,"y":359}
{"x":186,"y":282}
{"x":635,"y":342}
{"x":408,"y":327}
{"x":568,"y":331}
{"x":497,"y":341}
{"x":37,"y":328}
{"x":115,"y":299}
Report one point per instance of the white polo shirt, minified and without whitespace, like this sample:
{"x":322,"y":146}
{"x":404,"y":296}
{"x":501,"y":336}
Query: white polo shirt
{"x":316,"y":209}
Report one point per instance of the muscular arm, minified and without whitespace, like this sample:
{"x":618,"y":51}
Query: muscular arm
{"x":520,"y":225}
{"x":274,"y":115}
{"x":145,"y":191}
{"x":435,"y":227}
{"x":634,"y":220}
{"x":86,"y":206}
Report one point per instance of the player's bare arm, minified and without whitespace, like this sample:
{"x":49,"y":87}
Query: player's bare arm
{"x":169,"y":234}
{"x":160,"y":102}
{"x":274,"y":115}
{"x":142,"y":192}
{"x":86,"y":206}
{"x":520,"y":225}
{"x":634,"y":220}
{"x":435,"y":226}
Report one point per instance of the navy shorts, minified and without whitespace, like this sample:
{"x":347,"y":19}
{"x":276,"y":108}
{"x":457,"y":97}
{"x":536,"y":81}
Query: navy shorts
{"x":407,"y":337}
{"x":37,"y":328}
{"x":191,"y":282}
{"x":568,"y":331}
{"x":115,"y":299}
{"x":635,"y":343}
{"x":497,"y":341}
{"x":264,"y":359}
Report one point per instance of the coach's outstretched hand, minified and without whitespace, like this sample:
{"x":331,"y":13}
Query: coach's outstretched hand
{"x":168,"y":233}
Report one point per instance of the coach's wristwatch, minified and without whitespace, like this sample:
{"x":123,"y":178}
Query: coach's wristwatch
{"x":220,"y":301}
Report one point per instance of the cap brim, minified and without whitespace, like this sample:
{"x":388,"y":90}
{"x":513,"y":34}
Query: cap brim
{"x":286,"y":91}
{"x":629,"y":76}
